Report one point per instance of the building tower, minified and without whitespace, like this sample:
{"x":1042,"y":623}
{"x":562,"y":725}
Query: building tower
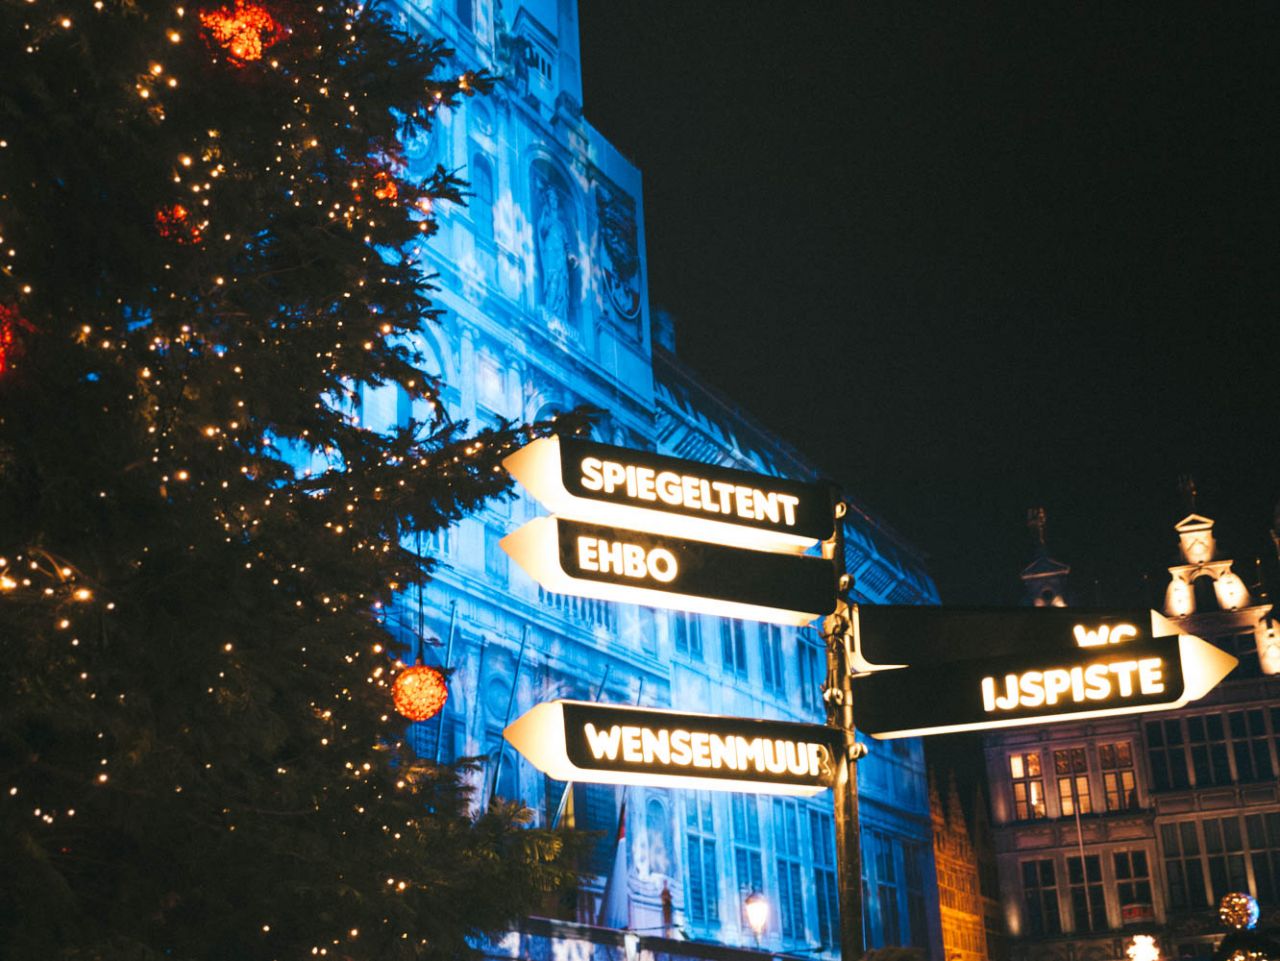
{"x":959,"y":895}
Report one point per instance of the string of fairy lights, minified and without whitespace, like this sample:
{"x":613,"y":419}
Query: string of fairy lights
{"x":234,"y":463}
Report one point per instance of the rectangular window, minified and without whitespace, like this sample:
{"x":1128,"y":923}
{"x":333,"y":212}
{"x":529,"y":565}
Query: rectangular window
{"x":1167,"y":756}
{"x":1133,"y":877}
{"x":1224,"y":844}
{"x":786,"y":839}
{"x":495,"y":558}
{"x":1250,"y":745}
{"x":1028,"y":786}
{"x":1040,"y":898}
{"x":812,"y":670}
{"x":703,"y":892}
{"x":733,"y":646}
{"x":688,"y":635}
{"x":1182,"y":866}
{"x":886,"y":888}
{"x":913,"y":861}
{"x":771,"y":657}
{"x":748,"y":865}
{"x":1119,"y":785}
{"x":822,"y":840}
{"x":1072,"y":772}
{"x":1088,"y":900}
{"x":1263,"y":831}
{"x":1207,"y":738}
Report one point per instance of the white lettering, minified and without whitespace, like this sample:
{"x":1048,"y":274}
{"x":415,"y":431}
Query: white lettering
{"x":591,"y":479}
{"x":1098,"y":684}
{"x":644,"y":484}
{"x":587,"y":554}
{"x":724,"y":752}
{"x":681,"y":752}
{"x":629,"y":560}
{"x":661,"y":565}
{"x":657,"y":745}
{"x":1056,"y":681}
{"x":668,"y":485}
{"x":632,"y":750}
{"x":1104,"y":635}
{"x":1151,"y":675}
{"x":1032,"y":686}
{"x":614,"y":474}
{"x":1099,"y":681}
{"x":603,"y":743}
{"x":701,"y":743}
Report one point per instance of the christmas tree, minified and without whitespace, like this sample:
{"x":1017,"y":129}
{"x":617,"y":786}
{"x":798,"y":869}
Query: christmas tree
{"x":208,"y":248}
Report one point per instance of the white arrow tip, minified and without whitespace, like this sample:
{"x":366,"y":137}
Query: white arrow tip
{"x":1203,"y":666}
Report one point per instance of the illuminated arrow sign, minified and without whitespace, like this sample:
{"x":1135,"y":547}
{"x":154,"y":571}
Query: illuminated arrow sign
{"x":666,"y":495}
{"x":591,"y":560}
{"x":895,"y":636}
{"x":1093,"y":680}
{"x":602,"y":744}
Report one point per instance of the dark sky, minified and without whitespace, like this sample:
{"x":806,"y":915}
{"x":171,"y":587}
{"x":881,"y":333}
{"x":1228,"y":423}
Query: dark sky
{"x":975,"y":257}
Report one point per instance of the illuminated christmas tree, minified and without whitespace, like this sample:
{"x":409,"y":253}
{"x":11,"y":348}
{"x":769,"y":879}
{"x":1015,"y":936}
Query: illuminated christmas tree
{"x":208,"y":255}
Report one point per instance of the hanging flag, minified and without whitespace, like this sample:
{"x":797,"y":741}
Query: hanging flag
{"x":615,"y":905}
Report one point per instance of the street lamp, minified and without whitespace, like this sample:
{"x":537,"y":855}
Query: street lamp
{"x":1143,"y":947}
{"x":756,"y":909}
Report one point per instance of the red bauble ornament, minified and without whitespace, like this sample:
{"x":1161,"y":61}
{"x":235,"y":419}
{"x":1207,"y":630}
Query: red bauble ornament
{"x":244,"y":30}
{"x":419,"y":692}
{"x":175,"y":223}
{"x":385,"y":186}
{"x":10,"y":346}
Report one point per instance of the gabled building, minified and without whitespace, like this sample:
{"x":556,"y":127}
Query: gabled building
{"x":543,"y":278}
{"x":1141,"y":823}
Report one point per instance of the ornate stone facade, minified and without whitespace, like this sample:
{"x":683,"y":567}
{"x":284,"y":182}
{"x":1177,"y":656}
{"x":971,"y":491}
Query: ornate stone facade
{"x":543,"y":281}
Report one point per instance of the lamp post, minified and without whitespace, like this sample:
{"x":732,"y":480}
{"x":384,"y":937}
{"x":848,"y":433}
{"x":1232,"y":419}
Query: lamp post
{"x":1143,"y":947}
{"x":756,"y":909}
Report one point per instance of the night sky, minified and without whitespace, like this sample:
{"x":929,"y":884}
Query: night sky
{"x":974,"y":258}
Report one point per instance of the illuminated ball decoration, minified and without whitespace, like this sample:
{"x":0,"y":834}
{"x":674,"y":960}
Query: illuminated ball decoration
{"x":1238,"y":910}
{"x":175,"y":223}
{"x":244,"y":30}
{"x":8,"y":336}
{"x":419,"y":692}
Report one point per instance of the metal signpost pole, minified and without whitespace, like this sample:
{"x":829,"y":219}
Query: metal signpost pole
{"x":838,"y":632}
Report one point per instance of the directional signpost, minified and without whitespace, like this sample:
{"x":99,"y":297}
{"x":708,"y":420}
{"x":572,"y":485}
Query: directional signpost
{"x":580,"y":741}
{"x":641,"y":528}
{"x":976,"y":670}
{"x":982,"y":694}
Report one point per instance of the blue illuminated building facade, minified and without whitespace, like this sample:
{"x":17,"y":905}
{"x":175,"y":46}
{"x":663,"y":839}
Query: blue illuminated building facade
{"x":544,"y":280}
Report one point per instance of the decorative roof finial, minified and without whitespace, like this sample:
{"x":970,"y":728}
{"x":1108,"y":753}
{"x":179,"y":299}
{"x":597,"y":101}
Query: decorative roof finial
{"x":1187,"y":488}
{"x":1036,"y":522}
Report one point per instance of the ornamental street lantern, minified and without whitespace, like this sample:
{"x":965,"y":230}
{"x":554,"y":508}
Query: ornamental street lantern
{"x":419,"y":692}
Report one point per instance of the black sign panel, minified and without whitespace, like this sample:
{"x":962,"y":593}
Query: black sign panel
{"x":1011,"y":689}
{"x":930,"y":635}
{"x":619,"y":475}
{"x":605,"y":738}
{"x":611,"y":555}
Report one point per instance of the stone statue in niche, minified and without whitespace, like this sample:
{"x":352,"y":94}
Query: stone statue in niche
{"x":619,"y":263}
{"x":556,"y":260}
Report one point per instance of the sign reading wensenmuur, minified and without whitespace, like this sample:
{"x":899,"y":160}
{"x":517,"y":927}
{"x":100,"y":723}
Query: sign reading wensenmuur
{"x":604,"y":744}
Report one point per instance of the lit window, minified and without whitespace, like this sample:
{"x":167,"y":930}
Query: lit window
{"x":1118,"y":781}
{"x":1072,"y":772}
{"x":1028,"y":786}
